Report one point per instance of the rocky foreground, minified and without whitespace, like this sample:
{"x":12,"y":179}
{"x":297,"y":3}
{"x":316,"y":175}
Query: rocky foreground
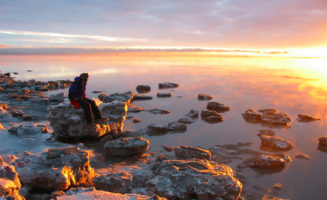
{"x":181,"y":172}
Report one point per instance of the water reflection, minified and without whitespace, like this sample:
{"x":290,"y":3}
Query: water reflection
{"x":291,"y":85}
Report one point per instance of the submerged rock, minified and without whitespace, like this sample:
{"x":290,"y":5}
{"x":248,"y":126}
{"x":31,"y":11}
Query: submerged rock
{"x":211,"y":116}
{"x":269,"y":117}
{"x":204,"y":97}
{"x":218,"y":107}
{"x":252,"y":116}
{"x":176,"y":127}
{"x":125,"y":147}
{"x":69,"y":123}
{"x":272,"y":143}
{"x":134,"y":108}
{"x":193,"y":114}
{"x":157,"y":128}
{"x":159,"y":111}
{"x":306,"y":118}
{"x":186,"y":152}
{"x":267,"y":132}
{"x":302,"y":156}
{"x":143,"y":88}
{"x":266,"y":162}
{"x":167,"y":85}
{"x":55,"y":169}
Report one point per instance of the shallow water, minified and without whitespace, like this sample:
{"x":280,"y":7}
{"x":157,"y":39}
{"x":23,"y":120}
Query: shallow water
{"x":291,"y":85}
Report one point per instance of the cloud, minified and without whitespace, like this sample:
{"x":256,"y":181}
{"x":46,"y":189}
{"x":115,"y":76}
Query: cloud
{"x":3,"y":46}
{"x":183,"y":23}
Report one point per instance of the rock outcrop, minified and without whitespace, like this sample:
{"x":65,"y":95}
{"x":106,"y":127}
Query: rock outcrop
{"x":125,"y":147}
{"x":55,"y":169}
{"x":9,"y":181}
{"x":69,"y":123}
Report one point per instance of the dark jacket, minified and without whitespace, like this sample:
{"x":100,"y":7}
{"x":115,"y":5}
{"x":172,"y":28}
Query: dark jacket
{"x":76,"y":90}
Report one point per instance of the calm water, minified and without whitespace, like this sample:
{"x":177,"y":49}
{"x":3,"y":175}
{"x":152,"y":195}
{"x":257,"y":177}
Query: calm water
{"x":291,"y":85}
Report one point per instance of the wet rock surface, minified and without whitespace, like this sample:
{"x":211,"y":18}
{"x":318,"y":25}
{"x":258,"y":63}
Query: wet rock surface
{"x":186,"y":152}
{"x":126,"y":146}
{"x":55,"y":169}
{"x":272,"y":143}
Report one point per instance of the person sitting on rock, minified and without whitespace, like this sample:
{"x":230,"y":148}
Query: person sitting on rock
{"x":78,"y":98}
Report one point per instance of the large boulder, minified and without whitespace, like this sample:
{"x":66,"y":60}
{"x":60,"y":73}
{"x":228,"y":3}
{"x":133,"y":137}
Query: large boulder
{"x":55,"y":169}
{"x":272,"y":143}
{"x":69,"y":123}
{"x":9,"y":181}
{"x":125,"y":147}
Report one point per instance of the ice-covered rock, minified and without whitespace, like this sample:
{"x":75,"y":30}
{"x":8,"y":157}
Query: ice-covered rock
{"x":306,"y":118}
{"x":218,"y":107}
{"x":114,"y":182}
{"x":93,"y":194}
{"x":266,"y":162}
{"x":204,"y":97}
{"x":211,"y":116}
{"x":126,"y":146}
{"x":28,"y":129}
{"x":69,"y":123}
{"x":143,"y":88}
{"x":186,"y":152}
{"x":124,"y":97}
{"x":57,"y":97}
{"x":55,"y":169}
{"x":272,"y":143}
{"x":4,"y":115}
{"x":167,"y":85}
{"x":9,"y":181}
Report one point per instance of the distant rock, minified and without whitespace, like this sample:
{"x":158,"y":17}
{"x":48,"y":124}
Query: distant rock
{"x":272,"y":143}
{"x":143,"y":89}
{"x":193,"y":114}
{"x":252,"y":116}
{"x":218,"y":107}
{"x":96,"y":91}
{"x":267,"y":132}
{"x":306,"y":118}
{"x":268,"y":117}
{"x":138,"y":97}
{"x":204,"y":97}
{"x":323,"y":140}
{"x":159,"y":111}
{"x":137,"y":120}
{"x":124,"y":97}
{"x":163,"y":95}
{"x":186,"y":152}
{"x":211,"y":116}
{"x":126,"y":147}
{"x":167,"y":85}
{"x":302,"y":156}
{"x":266,"y":162}
{"x":55,"y":169}
{"x":176,"y":127}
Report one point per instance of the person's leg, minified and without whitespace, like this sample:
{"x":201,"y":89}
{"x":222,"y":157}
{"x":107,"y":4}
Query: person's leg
{"x":87,"y":111}
{"x":95,"y":109}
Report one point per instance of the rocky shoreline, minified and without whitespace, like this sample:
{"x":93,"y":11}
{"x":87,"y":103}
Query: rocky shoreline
{"x":180,"y":172}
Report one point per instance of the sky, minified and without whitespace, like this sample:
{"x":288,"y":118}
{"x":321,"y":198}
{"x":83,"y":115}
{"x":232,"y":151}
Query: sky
{"x":174,"y":24}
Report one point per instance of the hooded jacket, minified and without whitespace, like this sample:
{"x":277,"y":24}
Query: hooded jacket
{"x":76,"y":90}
